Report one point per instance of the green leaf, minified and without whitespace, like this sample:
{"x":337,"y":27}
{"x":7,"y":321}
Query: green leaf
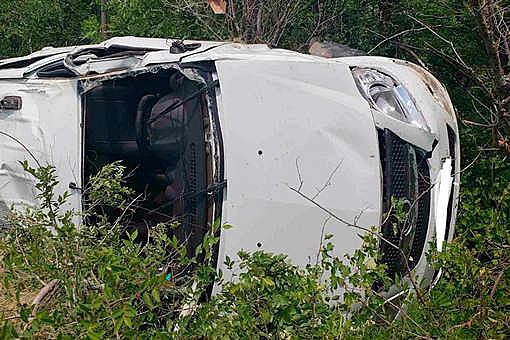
{"x":147,"y":299}
{"x":127,"y":321}
{"x":117,"y":314}
{"x":118,"y":324}
{"x":94,"y":336}
{"x":133,"y":235}
{"x":155,"y":295}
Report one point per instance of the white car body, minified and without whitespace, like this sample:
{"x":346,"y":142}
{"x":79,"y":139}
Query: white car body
{"x":286,"y":120}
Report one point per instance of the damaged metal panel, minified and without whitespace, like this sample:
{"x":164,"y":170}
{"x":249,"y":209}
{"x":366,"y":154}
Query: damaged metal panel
{"x":232,"y":51}
{"x":31,"y":58}
{"x":87,"y":83}
{"x":419,"y":137}
{"x":433,"y":102}
{"x":283,"y":121}
{"x":48,"y":126}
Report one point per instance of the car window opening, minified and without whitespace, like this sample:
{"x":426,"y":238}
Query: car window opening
{"x":157,"y":124}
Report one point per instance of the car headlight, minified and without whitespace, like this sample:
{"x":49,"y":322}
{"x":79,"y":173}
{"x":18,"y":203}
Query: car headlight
{"x":386,"y":95}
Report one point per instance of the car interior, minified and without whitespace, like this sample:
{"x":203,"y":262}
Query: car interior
{"x":156,"y":124}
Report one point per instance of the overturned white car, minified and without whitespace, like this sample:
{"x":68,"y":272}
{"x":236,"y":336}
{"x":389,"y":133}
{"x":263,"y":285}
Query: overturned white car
{"x":242,"y":133}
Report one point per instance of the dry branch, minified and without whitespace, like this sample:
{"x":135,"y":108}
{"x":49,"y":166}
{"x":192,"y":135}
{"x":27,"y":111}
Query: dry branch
{"x":47,"y":289}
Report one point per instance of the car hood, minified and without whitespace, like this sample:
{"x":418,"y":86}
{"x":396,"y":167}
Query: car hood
{"x":300,"y":146}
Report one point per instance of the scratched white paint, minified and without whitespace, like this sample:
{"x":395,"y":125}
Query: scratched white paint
{"x":48,"y":126}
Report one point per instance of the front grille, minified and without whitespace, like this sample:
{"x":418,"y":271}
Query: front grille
{"x":405,"y":179}
{"x":399,"y":168}
{"x":422,"y":221}
{"x":192,"y":183}
{"x":395,"y":182}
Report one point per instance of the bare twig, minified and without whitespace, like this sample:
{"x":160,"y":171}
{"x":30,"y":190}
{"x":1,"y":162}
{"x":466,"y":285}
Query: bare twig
{"x":328,"y":181}
{"x":496,"y":282}
{"x":395,"y":36}
{"x":42,"y":294}
{"x":22,"y":145}
{"x":355,"y":225}
{"x":322,"y":238}
{"x":452,"y":46}
{"x":299,"y":174}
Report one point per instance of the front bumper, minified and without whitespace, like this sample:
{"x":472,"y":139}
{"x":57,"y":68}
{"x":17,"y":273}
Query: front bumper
{"x":437,"y":165}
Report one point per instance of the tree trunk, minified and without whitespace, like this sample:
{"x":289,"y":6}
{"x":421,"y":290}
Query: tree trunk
{"x":104,"y":21}
{"x":493,"y":28}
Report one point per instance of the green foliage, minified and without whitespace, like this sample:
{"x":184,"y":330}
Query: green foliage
{"x":110,"y":286}
{"x":147,"y":18}
{"x":107,"y":284}
{"x":102,"y":283}
{"x":271,"y":298}
{"x":27,"y":26}
{"x":110,"y":180}
{"x":471,"y":299}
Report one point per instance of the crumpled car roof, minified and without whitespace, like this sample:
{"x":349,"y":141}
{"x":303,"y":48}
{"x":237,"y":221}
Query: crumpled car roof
{"x":157,"y":52}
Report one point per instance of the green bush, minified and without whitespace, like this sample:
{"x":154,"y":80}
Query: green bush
{"x":97,"y":281}
{"x":471,"y":300}
{"x":271,"y":298}
{"x":103,"y":283}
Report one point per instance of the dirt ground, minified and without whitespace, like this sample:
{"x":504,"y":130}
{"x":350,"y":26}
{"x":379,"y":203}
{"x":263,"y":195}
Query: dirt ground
{"x":8,"y":305}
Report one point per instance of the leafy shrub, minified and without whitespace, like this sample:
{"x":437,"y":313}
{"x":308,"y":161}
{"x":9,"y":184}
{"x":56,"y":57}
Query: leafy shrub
{"x":97,"y":281}
{"x":101,"y":283}
{"x":272,"y":298}
{"x":471,"y":300}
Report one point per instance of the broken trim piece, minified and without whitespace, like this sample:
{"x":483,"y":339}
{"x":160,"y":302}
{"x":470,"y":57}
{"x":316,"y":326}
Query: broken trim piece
{"x":410,"y":133}
{"x":89,"y":82}
{"x":444,"y":179}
